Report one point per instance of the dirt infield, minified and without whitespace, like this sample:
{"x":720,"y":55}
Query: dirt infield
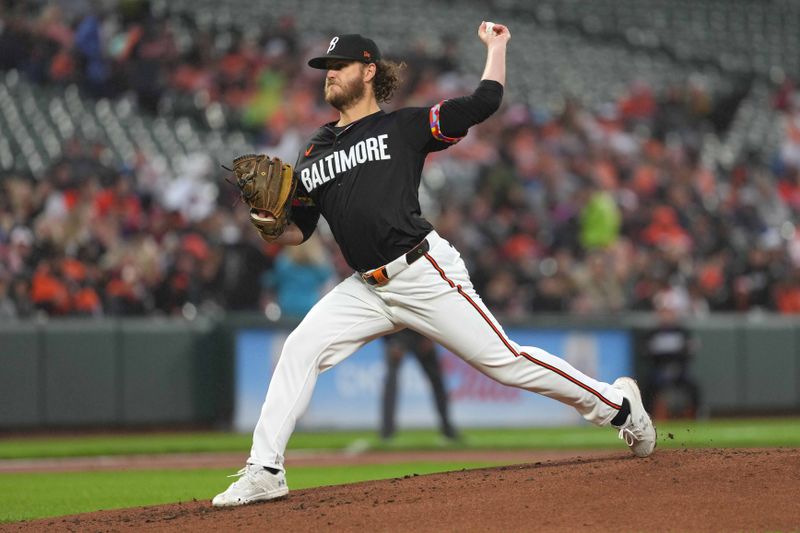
{"x":675,"y":490}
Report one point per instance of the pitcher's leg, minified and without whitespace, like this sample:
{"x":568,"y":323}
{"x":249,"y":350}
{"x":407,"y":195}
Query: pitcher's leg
{"x":341,"y":322}
{"x":458,"y":319}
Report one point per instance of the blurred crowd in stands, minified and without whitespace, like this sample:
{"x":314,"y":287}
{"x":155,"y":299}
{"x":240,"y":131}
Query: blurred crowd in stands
{"x":592,"y":211}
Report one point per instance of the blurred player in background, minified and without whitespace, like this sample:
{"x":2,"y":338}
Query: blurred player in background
{"x":669,"y":348}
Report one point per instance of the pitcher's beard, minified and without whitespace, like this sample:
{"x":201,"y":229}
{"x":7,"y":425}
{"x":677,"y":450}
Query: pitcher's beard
{"x":346,"y":96}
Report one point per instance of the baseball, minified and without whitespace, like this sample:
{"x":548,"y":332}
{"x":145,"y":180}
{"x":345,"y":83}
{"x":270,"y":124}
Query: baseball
{"x":489,"y":27}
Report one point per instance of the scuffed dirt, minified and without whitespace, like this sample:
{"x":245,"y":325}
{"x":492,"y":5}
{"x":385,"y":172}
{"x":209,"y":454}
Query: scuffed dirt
{"x":674,"y":490}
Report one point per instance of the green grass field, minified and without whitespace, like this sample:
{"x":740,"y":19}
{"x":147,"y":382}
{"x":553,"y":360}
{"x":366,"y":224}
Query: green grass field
{"x":27,"y":496}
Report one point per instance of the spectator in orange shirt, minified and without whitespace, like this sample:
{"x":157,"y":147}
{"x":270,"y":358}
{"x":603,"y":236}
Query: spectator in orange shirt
{"x":664,"y":231}
{"x":48,"y":291}
{"x":787,"y":294}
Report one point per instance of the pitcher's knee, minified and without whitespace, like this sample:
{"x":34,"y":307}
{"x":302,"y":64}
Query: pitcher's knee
{"x":506,"y":379}
{"x":503,"y":374}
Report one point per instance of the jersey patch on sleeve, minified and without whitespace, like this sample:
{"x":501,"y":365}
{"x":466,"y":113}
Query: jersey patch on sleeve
{"x":436,"y":129}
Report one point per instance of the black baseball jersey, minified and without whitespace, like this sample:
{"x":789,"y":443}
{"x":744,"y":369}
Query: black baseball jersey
{"x":364,"y":177}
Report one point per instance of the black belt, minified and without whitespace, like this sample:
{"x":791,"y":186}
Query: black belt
{"x":380,"y":276}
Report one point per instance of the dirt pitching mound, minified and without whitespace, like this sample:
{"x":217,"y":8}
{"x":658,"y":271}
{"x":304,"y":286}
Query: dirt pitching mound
{"x":675,"y":490}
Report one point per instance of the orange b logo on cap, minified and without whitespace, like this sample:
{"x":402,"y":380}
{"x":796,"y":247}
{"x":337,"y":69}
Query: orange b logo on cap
{"x":366,"y":54}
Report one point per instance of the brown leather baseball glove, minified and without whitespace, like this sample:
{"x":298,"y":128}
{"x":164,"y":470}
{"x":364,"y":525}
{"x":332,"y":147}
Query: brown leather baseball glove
{"x":267,"y":185}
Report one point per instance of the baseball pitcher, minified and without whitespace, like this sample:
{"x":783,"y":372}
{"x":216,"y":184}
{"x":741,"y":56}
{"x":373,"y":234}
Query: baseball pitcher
{"x":362,"y":173}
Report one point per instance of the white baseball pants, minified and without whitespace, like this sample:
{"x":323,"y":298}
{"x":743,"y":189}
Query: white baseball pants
{"x":435,"y":297}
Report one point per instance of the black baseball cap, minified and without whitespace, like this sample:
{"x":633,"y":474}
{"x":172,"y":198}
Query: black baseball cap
{"x":351,"y":47}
